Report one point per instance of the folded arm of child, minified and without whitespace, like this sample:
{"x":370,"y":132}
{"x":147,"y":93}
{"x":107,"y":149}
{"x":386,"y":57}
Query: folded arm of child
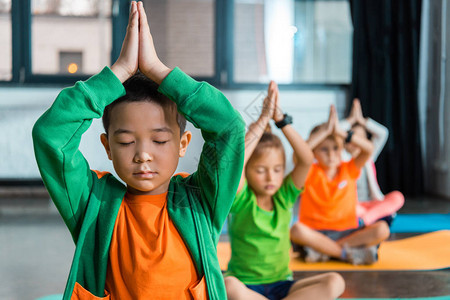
{"x":209,"y":110}
{"x":332,"y":128}
{"x":57,"y":133}
{"x":379,"y":132}
{"x":302,"y":152}
{"x":256,"y":129}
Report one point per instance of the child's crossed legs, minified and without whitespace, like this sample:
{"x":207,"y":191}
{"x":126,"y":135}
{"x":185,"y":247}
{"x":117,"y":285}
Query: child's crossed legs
{"x":365,"y":237}
{"x":321,"y":287}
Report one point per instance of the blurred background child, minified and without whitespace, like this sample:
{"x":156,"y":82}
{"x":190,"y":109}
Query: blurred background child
{"x":372,"y":203}
{"x":328,"y":224}
{"x":261,"y":214}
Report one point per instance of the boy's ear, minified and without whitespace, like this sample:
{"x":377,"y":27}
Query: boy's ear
{"x":184,"y":142}
{"x":105,"y":142}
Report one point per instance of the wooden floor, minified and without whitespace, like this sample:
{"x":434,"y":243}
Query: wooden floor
{"x":36,"y":252}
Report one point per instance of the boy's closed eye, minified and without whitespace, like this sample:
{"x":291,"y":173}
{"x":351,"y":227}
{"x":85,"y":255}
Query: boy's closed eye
{"x":278,"y":169}
{"x":260,"y":170}
{"x":161,"y":138}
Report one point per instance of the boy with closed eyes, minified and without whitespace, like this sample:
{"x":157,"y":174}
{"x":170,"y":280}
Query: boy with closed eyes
{"x":154,"y":237}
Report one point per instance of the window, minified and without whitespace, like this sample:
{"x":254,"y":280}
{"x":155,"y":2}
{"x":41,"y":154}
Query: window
{"x":70,"y":62}
{"x":65,"y":29}
{"x":5,"y":40}
{"x":228,"y":43}
{"x":183,"y":31}
{"x":292,"y":41}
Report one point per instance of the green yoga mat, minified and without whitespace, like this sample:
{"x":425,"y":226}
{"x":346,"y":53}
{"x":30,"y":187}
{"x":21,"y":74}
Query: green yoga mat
{"x":420,"y":223}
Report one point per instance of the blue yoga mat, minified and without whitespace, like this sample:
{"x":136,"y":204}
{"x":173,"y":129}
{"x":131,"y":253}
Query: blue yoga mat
{"x":420,"y":222}
{"x":410,"y":223}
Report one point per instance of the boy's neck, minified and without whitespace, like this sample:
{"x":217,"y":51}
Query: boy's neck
{"x":331,"y":172}
{"x":265,"y":202}
{"x":156,"y":191}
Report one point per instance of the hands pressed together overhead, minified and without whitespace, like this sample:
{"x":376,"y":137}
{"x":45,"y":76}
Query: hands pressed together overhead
{"x":138,"y":50}
{"x":356,"y":115}
{"x":271,"y":105}
{"x":332,"y":125}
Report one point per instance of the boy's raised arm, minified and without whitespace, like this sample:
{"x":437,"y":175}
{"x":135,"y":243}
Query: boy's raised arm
{"x":324,"y":131}
{"x":379,"y":132}
{"x":57,"y":136}
{"x":208,"y":109}
{"x":364,"y":144}
{"x":57,"y":133}
{"x":302,"y":151}
{"x":256,"y":129}
{"x":379,"y":138}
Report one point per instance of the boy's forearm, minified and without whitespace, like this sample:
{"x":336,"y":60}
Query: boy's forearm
{"x":202,"y":104}
{"x":365,"y":153}
{"x":364,"y":144}
{"x":301,"y":148}
{"x":316,"y":138}
{"x":77,"y":104}
{"x":222,"y":129}
{"x":253,"y":135}
{"x":158,"y":72}
{"x":120,"y":73}
{"x":57,"y":135}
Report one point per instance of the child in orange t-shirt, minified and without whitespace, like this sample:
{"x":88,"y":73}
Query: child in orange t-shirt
{"x":152,"y":235}
{"x":328,"y":224}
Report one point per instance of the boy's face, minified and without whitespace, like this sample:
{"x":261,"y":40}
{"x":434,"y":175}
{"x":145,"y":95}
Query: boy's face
{"x":265,"y":173}
{"x":144,"y":145}
{"x":328,"y":154}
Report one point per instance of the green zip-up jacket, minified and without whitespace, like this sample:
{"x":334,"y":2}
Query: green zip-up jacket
{"x":198,"y":204}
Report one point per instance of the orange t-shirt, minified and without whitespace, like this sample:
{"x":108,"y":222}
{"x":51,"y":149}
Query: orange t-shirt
{"x":330,"y":204}
{"x":148,"y":259}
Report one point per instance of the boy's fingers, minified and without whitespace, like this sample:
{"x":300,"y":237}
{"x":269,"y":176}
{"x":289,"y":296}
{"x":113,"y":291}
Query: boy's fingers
{"x":272,"y":90}
{"x":132,"y":11}
{"x":277,"y":94}
{"x":143,"y":23}
{"x":134,"y":20}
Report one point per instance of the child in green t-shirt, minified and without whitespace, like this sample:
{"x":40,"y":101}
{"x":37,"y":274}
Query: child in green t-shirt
{"x":261,"y":213}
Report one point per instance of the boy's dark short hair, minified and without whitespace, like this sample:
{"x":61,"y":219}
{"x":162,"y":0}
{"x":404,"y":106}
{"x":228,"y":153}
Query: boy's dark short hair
{"x":139,"y":88}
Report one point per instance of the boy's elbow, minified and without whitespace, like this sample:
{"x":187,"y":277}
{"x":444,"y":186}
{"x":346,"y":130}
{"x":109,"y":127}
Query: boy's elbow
{"x":36,"y":131}
{"x":310,"y":158}
{"x":239,"y":125}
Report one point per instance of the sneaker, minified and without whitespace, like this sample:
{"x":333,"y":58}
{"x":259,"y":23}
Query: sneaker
{"x":313,"y":256}
{"x":362,"y":255}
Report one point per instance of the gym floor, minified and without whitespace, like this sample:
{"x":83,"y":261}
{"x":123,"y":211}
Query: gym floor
{"x":36,"y":251}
